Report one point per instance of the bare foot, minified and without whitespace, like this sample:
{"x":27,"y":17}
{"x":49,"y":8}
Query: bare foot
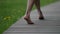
{"x":28,"y":20}
{"x":41,"y":17}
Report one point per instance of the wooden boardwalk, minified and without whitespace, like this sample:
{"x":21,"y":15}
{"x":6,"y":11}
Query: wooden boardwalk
{"x":51,"y":24}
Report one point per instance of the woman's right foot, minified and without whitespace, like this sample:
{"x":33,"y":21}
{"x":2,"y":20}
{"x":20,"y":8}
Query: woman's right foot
{"x":41,"y":17}
{"x":28,"y":20}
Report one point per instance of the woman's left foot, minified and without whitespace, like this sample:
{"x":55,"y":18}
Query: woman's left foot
{"x":28,"y":20}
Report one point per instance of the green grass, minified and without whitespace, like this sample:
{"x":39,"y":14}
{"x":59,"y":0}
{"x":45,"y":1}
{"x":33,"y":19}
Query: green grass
{"x":12,"y":10}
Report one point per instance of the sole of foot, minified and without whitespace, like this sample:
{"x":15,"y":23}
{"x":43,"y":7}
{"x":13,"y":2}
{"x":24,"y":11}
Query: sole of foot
{"x":28,"y":21}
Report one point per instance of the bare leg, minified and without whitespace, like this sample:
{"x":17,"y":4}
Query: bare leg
{"x":37,"y":3}
{"x":28,"y":11}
